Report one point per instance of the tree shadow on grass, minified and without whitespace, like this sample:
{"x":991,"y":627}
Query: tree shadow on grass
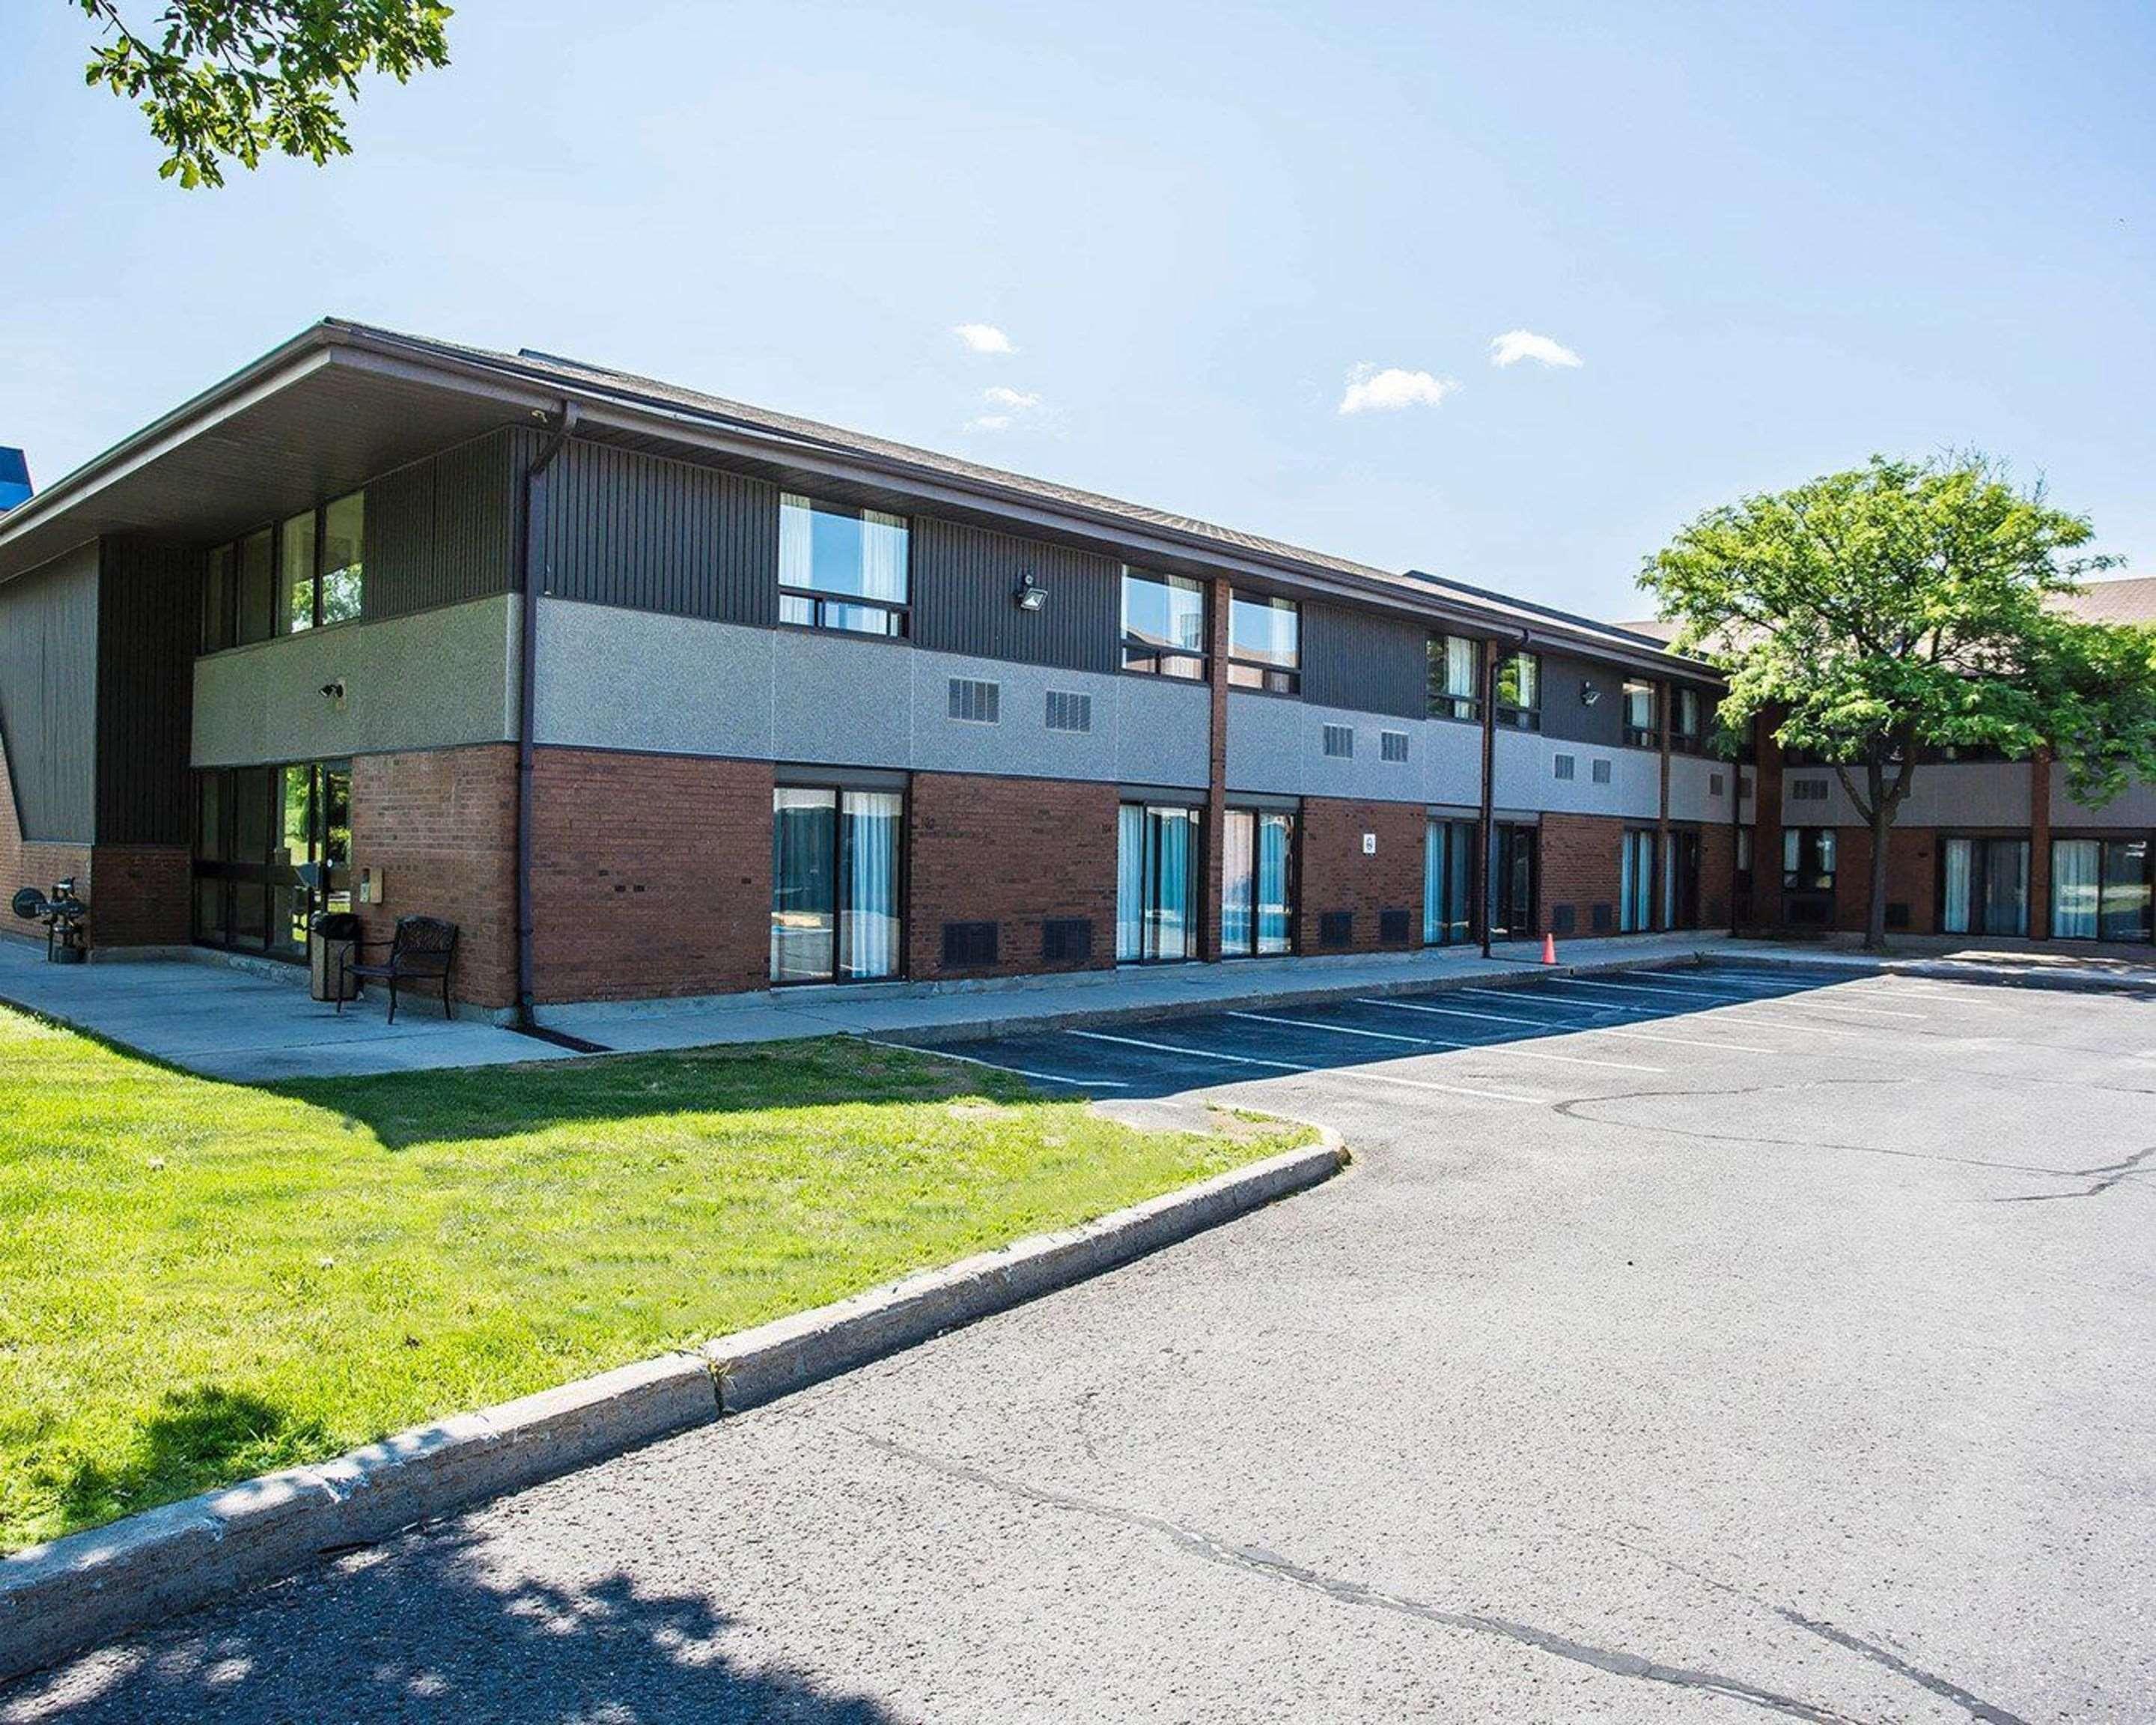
{"x":418,"y":1630}
{"x":196,"y":1438}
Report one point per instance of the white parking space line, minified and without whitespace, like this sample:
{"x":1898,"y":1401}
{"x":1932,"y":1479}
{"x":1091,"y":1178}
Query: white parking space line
{"x":1575,"y":1030}
{"x":1517,"y":996}
{"x":1714,"y":1003}
{"x":968,"y":1060}
{"x":1207,"y":1054}
{"x":1531,"y":1054}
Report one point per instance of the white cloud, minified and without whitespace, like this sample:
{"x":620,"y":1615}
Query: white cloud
{"x":1373,"y":391}
{"x":985,"y":338}
{"x":989,"y":421}
{"x":1017,"y":400}
{"x":1514,"y":345}
{"x":1007,"y":405}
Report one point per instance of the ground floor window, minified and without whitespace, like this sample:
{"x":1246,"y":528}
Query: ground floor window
{"x":1513,"y":868}
{"x":1157,"y":868}
{"x":1448,"y":881}
{"x":272,"y":846}
{"x":1984,"y":886}
{"x":834,"y":884}
{"x":1257,"y":883}
{"x":2101,"y":889}
{"x":1681,"y":879}
{"x":1635,"y":880}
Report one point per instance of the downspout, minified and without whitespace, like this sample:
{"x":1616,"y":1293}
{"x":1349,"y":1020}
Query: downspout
{"x":1486,"y":884}
{"x":528,"y":679}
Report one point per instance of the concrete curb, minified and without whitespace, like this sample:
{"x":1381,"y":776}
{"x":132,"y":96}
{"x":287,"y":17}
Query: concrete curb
{"x":92,"y":1587}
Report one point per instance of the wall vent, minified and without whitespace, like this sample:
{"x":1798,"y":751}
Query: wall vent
{"x":966,"y":944}
{"x":1603,"y":918}
{"x":1069,"y":710}
{"x":1562,"y":920}
{"x":1066,"y":940}
{"x":1807,"y":790}
{"x":1340,"y":741}
{"x":1393,"y":745}
{"x":1601,"y":772}
{"x":1897,"y":915}
{"x":1335,"y":928}
{"x":1714,"y":784}
{"x":1395,"y":928}
{"x":1566,"y":766}
{"x":974,"y":701}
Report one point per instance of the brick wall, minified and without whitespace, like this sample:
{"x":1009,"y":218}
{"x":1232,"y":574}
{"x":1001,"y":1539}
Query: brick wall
{"x":142,"y":896}
{"x":1717,"y":863}
{"x":1911,"y":878}
{"x":32,"y":862}
{"x":1582,"y":865}
{"x":441,"y":825}
{"x":651,"y":876}
{"x":1336,"y":876}
{"x":1012,"y":851}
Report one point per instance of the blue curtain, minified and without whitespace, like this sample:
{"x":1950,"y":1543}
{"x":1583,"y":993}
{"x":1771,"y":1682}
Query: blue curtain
{"x":1275,"y":840}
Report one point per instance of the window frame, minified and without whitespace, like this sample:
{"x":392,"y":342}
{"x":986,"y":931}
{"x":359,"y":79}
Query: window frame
{"x":226,"y":629}
{"x":1512,"y":715}
{"x":1981,"y":845}
{"x":1258,"y":814}
{"x":1442,"y":703}
{"x":2104,"y":843}
{"x":1443,"y":836}
{"x":1649,"y":735}
{"x":821,"y":602}
{"x":1804,"y":838}
{"x":1264,"y":676}
{"x":1686,"y":741}
{"x":1193,"y":906}
{"x":839,"y":791}
{"x":1133,"y":649}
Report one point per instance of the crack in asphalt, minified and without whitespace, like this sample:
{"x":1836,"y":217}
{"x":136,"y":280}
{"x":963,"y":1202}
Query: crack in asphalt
{"x":1256,"y":1560}
{"x":2105,"y":1178}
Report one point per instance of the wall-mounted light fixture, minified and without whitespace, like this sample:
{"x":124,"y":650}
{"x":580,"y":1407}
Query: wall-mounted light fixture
{"x":1588,"y":694}
{"x":1031,"y":595}
{"x":333,"y":693}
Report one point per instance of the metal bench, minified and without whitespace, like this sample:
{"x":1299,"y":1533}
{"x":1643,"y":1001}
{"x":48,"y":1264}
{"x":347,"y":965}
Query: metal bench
{"x":421,"y":951}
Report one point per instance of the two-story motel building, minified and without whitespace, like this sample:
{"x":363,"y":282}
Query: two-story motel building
{"x":655,"y":694}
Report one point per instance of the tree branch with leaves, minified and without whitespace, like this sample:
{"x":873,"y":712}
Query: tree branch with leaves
{"x":232,"y":81}
{"x":1904,"y":608}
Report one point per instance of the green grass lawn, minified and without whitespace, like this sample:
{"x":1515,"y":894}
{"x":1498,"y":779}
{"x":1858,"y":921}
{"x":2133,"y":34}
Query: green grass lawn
{"x":200,"y":1281}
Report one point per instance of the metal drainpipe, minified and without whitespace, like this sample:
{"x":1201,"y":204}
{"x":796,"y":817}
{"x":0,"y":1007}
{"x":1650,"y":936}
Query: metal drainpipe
{"x":1489,"y":785}
{"x":527,"y":662}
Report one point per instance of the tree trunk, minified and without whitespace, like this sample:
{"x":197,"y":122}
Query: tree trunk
{"x":1874,"y":916}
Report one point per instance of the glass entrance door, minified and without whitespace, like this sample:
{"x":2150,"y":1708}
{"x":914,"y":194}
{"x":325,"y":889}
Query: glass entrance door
{"x":1512,"y":871}
{"x":1984,"y":886}
{"x":272,"y":846}
{"x":1158,"y":871}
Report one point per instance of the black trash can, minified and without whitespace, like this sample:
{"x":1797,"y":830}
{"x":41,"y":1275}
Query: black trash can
{"x":331,"y":937}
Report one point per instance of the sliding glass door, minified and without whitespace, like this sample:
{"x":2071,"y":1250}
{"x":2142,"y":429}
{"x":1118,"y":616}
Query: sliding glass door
{"x":1158,"y":870}
{"x":1681,"y":880}
{"x":1448,"y":881}
{"x":1635,"y":880}
{"x":2101,"y":889}
{"x":272,"y":846}
{"x":1984,"y":886}
{"x":1257,"y":883}
{"x":1512,"y":880}
{"x":834,"y":884}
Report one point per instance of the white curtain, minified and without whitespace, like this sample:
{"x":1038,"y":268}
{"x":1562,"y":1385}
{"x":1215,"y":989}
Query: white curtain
{"x":1172,"y":829}
{"x":883,"y":556}
{"x":1238,"y":883}
{"x":1460,"y":665}
{"x":2075,"y":888}
{"x":1953,"y":914}
{"x":1433,"y":918}
{"x":868,"y":916}
{"x":797,"y":542}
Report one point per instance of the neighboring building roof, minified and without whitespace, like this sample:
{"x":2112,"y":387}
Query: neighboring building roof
{"x":2130,"y":598}
{"x":14,"y":478}
{"x":341,"y":402}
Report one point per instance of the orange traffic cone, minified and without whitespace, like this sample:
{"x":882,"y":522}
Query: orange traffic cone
{"x":1550,"y":949}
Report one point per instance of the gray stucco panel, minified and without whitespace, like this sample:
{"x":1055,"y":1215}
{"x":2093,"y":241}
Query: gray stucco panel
{"x":1527,"y":778}
{"x":1277,"y":746}
{"x":426,"y":681}
{"x":1941,"y":793}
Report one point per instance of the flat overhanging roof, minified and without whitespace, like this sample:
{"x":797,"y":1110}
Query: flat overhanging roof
{"x":341,"y":404}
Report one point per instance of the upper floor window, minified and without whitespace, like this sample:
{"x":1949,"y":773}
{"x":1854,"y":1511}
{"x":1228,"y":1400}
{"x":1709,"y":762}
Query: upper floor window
{"x":1638,"y":712}
{"x":1520,"y":691}
{"x":1163,"y":623}
{"x":305,"y":572}
{"x":1265,"y":642}
{"x":841,"y":568}
{"x":1455,"y":677}
{"x":1687,"y":719}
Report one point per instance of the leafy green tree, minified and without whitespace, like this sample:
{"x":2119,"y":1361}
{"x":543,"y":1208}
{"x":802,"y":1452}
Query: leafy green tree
{"x":229,"y":79}
{"x":1874,"y":615}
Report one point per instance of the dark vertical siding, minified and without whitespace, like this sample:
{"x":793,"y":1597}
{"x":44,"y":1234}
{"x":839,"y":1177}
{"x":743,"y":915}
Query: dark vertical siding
{"x":444,"y":530}
{"x":1567,"y":718}
{"x":149,"y":621}
{"x":618,"y":528}
{"x":49,"y":696}
{"x":1365,"y":660}
{"x":963,"y":580}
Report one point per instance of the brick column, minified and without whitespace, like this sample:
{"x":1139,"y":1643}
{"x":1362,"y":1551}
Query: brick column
{"x":2039,"y":846}
{"x":1767,"y":826}
{"x":1664,"y":700}
{"x":1216,"y":787}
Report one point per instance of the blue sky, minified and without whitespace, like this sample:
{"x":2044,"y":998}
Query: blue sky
{"x":1776,"y":237}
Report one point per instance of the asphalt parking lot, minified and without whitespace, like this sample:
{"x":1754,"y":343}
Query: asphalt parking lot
{"x":1695,"y":1345}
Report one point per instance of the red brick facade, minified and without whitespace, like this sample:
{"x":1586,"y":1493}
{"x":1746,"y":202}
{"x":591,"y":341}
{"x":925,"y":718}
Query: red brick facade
{"x":142,"y":896}
{"x":1582,"y":865}
{"x":1016,"y":852}
{"x":1718,"y":865}
{"x":32,"y":862}
{"x":651,"y":876}
{"x":439,"y":827}
{"x":1337,"y":875}
{"x":1912,"y":879}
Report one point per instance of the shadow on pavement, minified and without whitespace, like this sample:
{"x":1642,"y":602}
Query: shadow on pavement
{"x":421,"y":1634}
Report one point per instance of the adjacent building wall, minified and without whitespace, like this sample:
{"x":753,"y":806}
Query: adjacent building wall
{"x":48,"y":622}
